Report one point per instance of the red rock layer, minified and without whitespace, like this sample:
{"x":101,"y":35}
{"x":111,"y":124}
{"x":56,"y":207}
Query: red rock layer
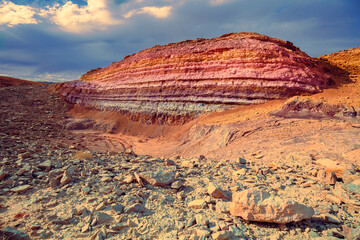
{"x":197,"y":76}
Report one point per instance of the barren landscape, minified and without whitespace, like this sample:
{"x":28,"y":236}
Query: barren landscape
{"x":222,"y":139}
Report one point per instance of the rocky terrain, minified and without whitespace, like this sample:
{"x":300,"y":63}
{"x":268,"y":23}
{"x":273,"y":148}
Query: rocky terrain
{"x":172,"y":84}
{"x":285,"y":169}
{"x":52,"y":187}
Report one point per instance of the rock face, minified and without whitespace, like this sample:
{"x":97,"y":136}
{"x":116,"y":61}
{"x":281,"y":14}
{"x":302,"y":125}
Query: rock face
{"x":181,"y":80}
{"x":303,"y":107}
{"x":259,"y":206}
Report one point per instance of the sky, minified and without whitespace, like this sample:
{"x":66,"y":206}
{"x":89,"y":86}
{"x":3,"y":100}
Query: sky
{"x":59,"y":40}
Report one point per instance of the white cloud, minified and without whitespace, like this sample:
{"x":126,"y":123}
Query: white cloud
{"x":12,"y":14}
{"x":158,"y":12}
{"x":73,"y":18}
{"x":219,"y":2}
{"x":70,"y":17}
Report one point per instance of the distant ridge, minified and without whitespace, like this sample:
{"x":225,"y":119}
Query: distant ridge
{"x":13,"y":82}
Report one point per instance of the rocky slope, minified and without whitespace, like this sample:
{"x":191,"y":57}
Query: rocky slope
{"x":9,"y":82}
{"x":347,"y":59}
{"x":239,"y":174}
{"x":176,"y":82}
{"x":52,"y":187}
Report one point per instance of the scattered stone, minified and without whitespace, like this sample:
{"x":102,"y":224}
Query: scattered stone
{"x":259,"y":206}
{"x":81,"y":210}
{"x":169,"y":162}
{"x":348,"y":177}
{"x":3,"y":175}
{"x":242,"y":160}
{"x":203,"y":232}
{"x":187,"y":164}
{"x":54,"y":182}
{"x":118,"y":208}
{"x":236,"y":231}
{"x":100,"y":218}
{"x":222,"y":235}
{"x":326,"y":177}
{"x":172,"y":235}
{"x":24,"y":155}
{"x":129,"y":152}
{"x":215,"y":191}
{"x":129,"y":179}
{"x":14,"y":234}
{"x":45,"y":166}
{"x":119,"y":226}
{"x":190,"y":222}
{"x":353,"y":186}
{"x":223,"y":207}
{"x":100,"y":207}
{"x":197,"y":204}
{"x":86,"y":228}
{"x":159,"y":178}
{"x":100,"y":235}
{"x":177,"y":184}
{"x":331,"y":166}
{"x":86,"y":190}
{"x":138,"y":179}
{"x":21,"y":189}
{"x":52,"y":203}
{"x":67,"y":176}
{"x":135,"y":208}
{"x":331,"y":178}
{"x":351,"y":233}
{"x":202,"y":219}
{"x":331,"y":218}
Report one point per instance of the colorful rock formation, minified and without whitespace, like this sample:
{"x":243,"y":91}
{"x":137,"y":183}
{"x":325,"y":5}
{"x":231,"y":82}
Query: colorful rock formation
{"x":184,"y":79}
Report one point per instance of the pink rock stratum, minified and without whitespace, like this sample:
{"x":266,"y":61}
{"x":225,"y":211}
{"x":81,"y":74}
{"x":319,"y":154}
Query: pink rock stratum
{"x":188,"y":78}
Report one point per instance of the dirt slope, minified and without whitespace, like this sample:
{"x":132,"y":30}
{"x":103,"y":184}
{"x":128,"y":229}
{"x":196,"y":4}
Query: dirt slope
{"x":9,"y":81}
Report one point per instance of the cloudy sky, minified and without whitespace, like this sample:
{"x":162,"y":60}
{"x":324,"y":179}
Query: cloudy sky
{"x":59,"y":40}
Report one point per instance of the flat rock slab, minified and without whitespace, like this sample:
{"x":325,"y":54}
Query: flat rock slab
{"x":259,"y":206}
{"x":20,"y":189}
{"x":197,"y":204}
{"x":215,"y":191}
{"x":101,"y":217}
{"x":332,"y":165}
{"x":353,"y":186}
{"x":137,"y":207}
{"x":159,"y":178}
{"x":46,"y":165}
{"x":14,"y":234}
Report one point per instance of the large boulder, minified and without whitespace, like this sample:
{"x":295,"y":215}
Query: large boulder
{"x":260,"y":206}
{"x":159,"y":178}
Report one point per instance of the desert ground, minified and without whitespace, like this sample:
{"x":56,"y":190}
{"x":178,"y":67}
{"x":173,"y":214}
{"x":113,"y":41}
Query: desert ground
{"x":68,"y":173}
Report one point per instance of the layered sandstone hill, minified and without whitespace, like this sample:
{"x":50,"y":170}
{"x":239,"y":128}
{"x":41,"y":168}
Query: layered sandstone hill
{"x":184,"y":79}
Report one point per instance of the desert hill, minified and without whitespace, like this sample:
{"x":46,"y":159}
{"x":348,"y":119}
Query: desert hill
{"x":177,"y":82}
{"x":9,"y":81}
{"x":347,"y":59}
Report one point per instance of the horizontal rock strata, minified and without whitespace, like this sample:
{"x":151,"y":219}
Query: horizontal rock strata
{"x":196,"y":76}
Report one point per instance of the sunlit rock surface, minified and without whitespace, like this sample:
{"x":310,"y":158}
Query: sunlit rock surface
{"x":175,"y":82}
